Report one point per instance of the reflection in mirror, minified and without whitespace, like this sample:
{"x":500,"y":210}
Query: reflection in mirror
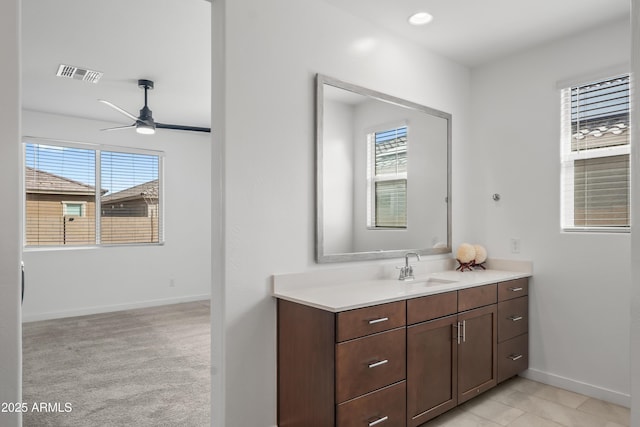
{"x":383,"y":175}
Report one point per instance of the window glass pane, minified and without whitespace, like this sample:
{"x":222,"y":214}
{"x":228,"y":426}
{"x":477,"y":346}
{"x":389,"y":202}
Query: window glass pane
{"x":600,"y":114}
{"x":55,"y":175}
{"x":391,"y":203}
{"x":391,"y":151}
{"x":601,"y":192}
{"x":129,"y":198}
{"x":73,"y":209}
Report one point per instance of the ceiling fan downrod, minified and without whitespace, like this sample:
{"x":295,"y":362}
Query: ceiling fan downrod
{"x":146,"y":115}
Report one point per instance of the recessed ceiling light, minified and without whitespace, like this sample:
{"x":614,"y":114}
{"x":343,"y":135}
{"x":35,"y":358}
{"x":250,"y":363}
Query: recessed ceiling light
{"x":420,"y":18}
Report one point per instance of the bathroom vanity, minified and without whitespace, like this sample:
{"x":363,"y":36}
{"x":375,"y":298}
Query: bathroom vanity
{"x":390,"y":353}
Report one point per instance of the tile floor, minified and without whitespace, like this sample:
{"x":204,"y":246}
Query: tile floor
{"x":520,"y":402}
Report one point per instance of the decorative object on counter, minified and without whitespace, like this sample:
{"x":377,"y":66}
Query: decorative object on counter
{"x":481,"y":256}
{"x":465,"y":256}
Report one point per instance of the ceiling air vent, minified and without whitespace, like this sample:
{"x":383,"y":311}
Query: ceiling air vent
{"x":71,"y":72}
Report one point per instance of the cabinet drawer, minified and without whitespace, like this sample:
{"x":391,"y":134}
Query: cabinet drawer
{"x":367,"y":364}
{"x":513,"y":357}
{"x":384,"y":408}
{"x":479,"y":296}
{"x":513,"y":318}
{"x":370,"y":320}
{"x":513,"y":289}
{"x":431,"y":307}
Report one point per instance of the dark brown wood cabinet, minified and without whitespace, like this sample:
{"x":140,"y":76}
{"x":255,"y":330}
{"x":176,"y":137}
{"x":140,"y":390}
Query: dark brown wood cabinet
{"x":450,"y":359}
{"x":401,"y":363}
{"x":341,"y":369}
{"x":513,"y":328}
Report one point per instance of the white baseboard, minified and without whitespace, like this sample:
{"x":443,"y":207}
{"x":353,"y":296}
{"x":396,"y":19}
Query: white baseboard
{"x":109,"y":308}
{"x":579,"y":387}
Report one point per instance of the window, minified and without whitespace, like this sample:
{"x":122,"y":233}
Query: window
{"x":595,"y":156}
{"x":73,"y":209}
{"x":89,"y":196}
{"x":387,"y":178}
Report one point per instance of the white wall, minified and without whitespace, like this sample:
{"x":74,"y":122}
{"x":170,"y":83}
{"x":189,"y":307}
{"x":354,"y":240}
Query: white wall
{"x":10,"y":331}
{"x":338,"y":182}
{"x":579,"y":304}
{"x":270,"y":55}
{"x":71,"y":282}
{"x":635,"y":236}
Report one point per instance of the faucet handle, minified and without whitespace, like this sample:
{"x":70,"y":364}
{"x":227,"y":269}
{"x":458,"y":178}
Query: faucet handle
{"x":406,"y":272}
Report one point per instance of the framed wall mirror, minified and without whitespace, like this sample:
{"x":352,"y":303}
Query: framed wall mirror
{"x":383,"y":175}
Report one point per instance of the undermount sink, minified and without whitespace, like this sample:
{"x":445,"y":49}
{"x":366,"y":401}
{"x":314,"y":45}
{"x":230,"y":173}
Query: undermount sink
{"x":431,"y":281}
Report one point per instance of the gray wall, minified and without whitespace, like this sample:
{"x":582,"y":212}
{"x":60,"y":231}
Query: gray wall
{"x":635,"y":236}
{"x":10,"y":241}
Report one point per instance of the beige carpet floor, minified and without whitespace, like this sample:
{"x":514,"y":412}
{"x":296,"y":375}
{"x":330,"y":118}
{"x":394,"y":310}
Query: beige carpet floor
{"x":146,"y":367}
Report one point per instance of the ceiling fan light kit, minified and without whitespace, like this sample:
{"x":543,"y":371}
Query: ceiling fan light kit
{"x":145,"y":129}
{"x":144,"y":123}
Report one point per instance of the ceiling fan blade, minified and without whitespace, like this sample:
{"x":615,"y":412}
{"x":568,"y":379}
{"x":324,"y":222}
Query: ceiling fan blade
{"x":121,"y":127}
{"x":181,"y":127}
{"x":118,"y":109}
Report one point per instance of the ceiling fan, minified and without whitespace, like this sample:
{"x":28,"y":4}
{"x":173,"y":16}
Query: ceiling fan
{"x":144,"y":123}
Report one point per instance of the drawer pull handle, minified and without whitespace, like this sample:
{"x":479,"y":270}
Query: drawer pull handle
{"x":515,"y":289}
{"x":515,"y":318}
{"x":461,"y":331}
{"x":515,"y":357}
{"x":374,"y":321}
{"x":378,"y":421}
{"x":380,"y":363}
{"x":464,"y":331}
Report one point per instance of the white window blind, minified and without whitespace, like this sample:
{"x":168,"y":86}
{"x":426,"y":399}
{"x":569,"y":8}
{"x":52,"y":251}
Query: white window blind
{"x":56,"y":178}
{"x":130,"y":198}
{"x":79,"y":196}
{"x":388,"y":178}
{"x":595,"y":156}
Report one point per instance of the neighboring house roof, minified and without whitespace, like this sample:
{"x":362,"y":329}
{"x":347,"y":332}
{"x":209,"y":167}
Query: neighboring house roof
{"x":41,"y":182}
{"x":147,"y":190}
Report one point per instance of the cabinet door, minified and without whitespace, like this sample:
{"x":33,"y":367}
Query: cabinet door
{"x":477,"y":352}
{"x":431,"y":369}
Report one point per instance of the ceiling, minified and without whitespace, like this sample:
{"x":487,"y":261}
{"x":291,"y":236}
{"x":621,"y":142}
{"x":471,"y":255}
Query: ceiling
{"x":166,"y":41}
{"x":472,"y":32}
{"x":169,"y":42}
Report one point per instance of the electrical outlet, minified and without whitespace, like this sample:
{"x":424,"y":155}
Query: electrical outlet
{"x":515,"y":245}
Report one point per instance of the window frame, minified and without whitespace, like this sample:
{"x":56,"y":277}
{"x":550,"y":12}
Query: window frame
{"x":569,"y":157}
{"x":373,"y":179}
{"x":98,"y":149}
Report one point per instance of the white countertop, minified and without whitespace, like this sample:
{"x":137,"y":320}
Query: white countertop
{"x":363,"y":293}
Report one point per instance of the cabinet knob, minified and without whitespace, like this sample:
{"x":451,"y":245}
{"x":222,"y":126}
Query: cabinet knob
{"x":515,"y":357}
{"x":515,"y":318}
{"x":515,"y":289}
{"x":374,"y":321}
{"x":378,"y":421}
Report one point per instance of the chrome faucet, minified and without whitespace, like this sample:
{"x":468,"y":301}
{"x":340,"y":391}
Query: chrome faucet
{"x":406,"y":271}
